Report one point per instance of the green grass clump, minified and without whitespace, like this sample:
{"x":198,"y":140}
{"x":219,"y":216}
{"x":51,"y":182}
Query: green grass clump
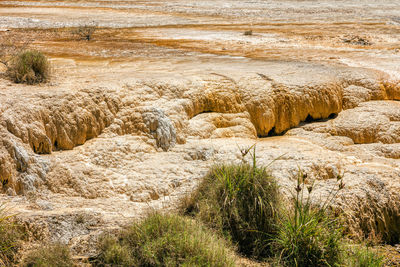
{"x":115,"y":252}
{"x":310,"y":239}
{"x":241,"y":201}
{"x":10,"y":236}
{"x":308,"y":235}
{"x":166,"y":240}
{"x":364,"y":257}
{"x":49,"y":256}
{"x":29,"y":67}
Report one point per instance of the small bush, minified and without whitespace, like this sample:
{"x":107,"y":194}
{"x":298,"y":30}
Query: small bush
{"x":364,"y":257}
{"x":312,"y":239}
{"x":309,"y":236}
{"x":10,"y":236}
{"x":85,"y":32}
{"x":242,"y":202}
{"x":49,"y":256}
{"x":166,"y":240}
{"x":29,"y":67}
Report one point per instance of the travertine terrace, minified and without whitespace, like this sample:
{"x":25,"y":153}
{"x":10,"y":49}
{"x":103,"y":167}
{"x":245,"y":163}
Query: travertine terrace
{"x":133,"y":118}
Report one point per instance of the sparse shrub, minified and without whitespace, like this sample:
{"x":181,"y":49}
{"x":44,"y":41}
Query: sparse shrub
{"x":29,"y":67}
{"x":242,"y":202}
{"x":248,"y":33}
{"x":10,"y":236}
{"x":364,"y":257}
{"x":165,"y":240}
{"x":308,"y":235}
{"x":85,"y":32}
{"x":49,"y":256}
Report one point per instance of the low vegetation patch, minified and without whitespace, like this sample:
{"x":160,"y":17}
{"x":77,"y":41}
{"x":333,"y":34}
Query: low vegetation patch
{"x":29,"y":67}
{"x":165,"y":240}
{"x":85,"y":32}
{"x":308,"y":235}
{"x":49,"y":256}
{"x":360,"y":256}
{"x":10,"y":236}
{"x":242,"y":201}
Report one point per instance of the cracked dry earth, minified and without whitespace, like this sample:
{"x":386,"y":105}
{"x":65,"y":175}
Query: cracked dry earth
{"x":133,"y":119}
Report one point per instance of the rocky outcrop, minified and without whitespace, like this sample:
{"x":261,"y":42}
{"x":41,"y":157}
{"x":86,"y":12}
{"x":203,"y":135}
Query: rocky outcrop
{"x":370,"y":122}
{"x":166,"y":112}
{"x":161,"y":127}
{"x":116,"y":152}
{"x":60,"y":121}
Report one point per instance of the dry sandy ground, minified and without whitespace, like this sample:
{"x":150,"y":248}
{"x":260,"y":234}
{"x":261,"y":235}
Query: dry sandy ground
{"x":133,"y":118}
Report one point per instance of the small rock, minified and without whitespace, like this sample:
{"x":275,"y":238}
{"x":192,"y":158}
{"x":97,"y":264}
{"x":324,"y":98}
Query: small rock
{"x":161,"y":127}
{"x":22,"y":158}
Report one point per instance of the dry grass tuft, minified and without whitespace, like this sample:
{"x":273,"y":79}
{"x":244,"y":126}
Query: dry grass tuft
{"x":10,"y":237}
{"x":240,"y":201}
{"x":85,"y":32}
{"x":166,"y":240}
{"x":29,"y":67}
{"x":49,"y":256}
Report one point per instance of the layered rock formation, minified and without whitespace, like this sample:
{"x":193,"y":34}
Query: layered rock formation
{"x":153,"y":139}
